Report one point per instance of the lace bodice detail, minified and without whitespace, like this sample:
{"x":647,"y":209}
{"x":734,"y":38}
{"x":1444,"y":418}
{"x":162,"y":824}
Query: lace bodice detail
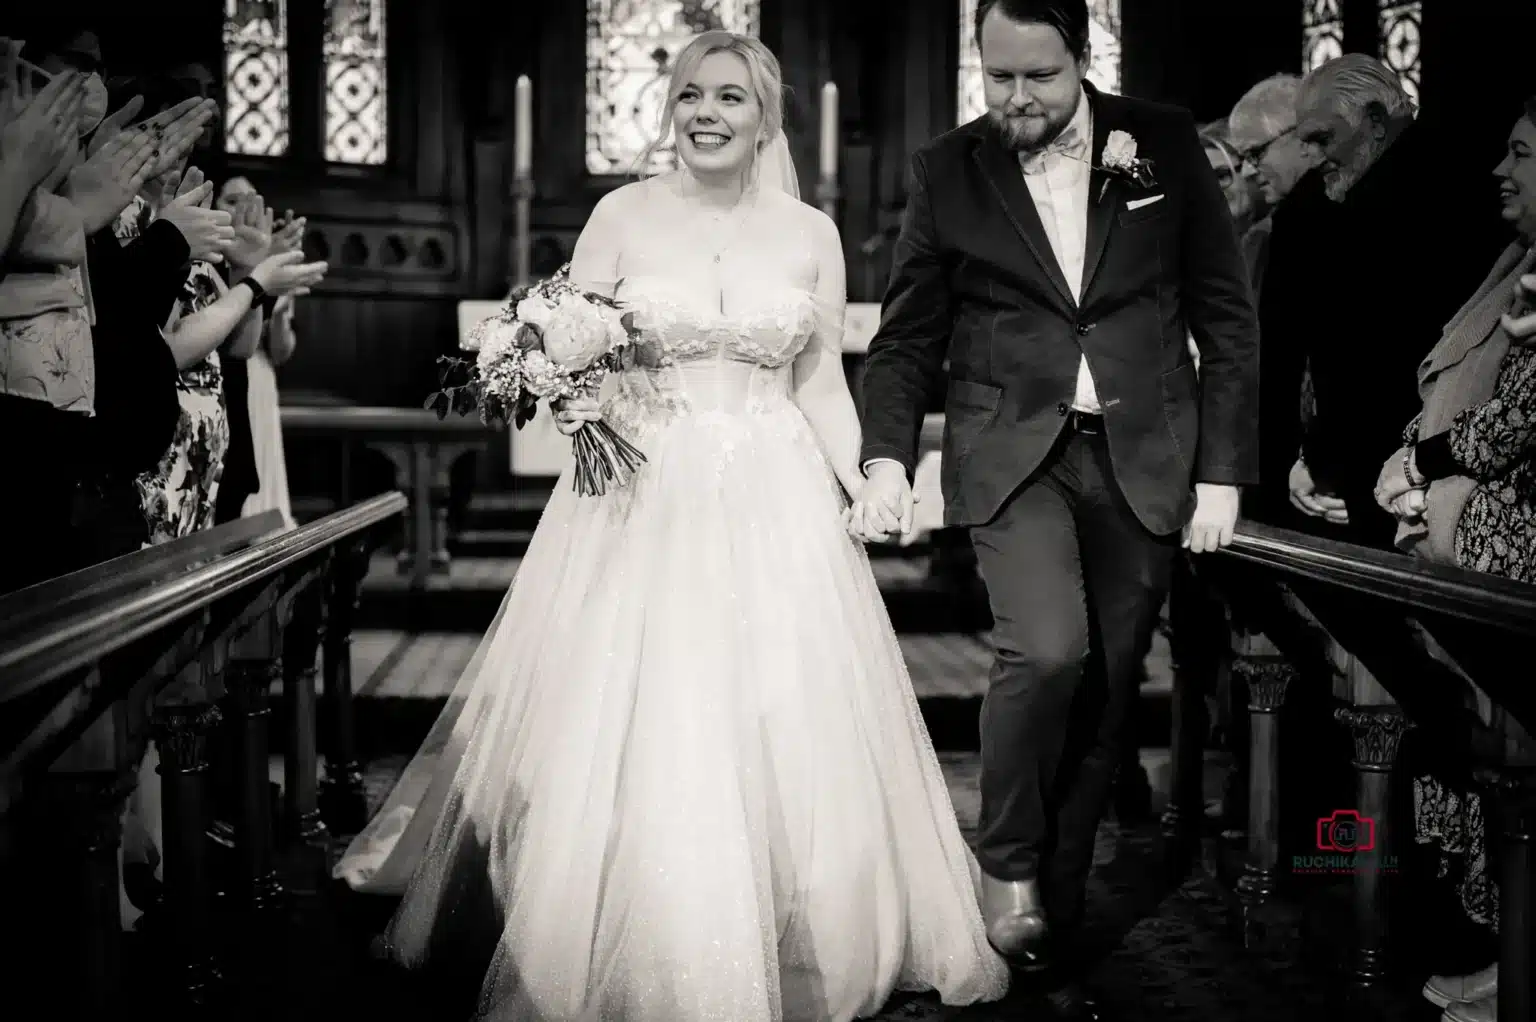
{"x":704,"y":362}
{"x":769,"y":332}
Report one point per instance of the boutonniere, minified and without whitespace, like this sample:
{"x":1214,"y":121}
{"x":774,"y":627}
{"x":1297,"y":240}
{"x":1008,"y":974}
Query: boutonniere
{"x":1120,"y":158}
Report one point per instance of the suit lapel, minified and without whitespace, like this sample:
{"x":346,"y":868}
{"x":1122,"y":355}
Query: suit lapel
{"x":1103,"y":188}
{"x":1002,"y":172}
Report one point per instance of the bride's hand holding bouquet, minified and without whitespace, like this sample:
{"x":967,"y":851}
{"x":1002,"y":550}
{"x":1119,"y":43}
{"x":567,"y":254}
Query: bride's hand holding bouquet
{"x":554,"y":342}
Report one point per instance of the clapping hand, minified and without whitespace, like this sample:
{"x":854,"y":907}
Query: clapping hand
{"x":208,"y":232}
{"x":114,"y":123}
{"x":178,"y":128}
{"x":37,"y":130}
{"x":284,"y":274}
{"x":289,"y":235}
{"x":1520,"y":322}
{"x":106,"y":182}
{"x":253,"y":232}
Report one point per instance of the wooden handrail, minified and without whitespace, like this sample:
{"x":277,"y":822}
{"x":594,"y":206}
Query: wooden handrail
{"x":52,"y":649}
{"x":408,"y":422}
{"x":1398,"y":578}
{"x":19,"y":610}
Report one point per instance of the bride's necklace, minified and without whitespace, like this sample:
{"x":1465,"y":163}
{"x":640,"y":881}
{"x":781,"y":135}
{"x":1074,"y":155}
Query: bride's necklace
{"x":720,"y":227}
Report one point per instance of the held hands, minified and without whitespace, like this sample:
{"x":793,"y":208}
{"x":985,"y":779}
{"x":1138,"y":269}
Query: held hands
{"x":573,"y":414}
{"x":1215,"y":517}
{"x":1396,"y":494}
{"x":882,"y":506}
{"x":1306,"y":498}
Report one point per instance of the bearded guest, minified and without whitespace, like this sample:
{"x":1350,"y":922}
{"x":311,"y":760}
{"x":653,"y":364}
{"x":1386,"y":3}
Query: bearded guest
{"x":1384,"y":285}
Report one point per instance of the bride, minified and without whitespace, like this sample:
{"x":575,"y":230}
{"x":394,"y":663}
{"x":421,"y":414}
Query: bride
{"x":684,"y":778}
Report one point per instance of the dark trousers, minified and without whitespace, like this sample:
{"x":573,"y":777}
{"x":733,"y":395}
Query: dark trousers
{"x":1068,"y":568}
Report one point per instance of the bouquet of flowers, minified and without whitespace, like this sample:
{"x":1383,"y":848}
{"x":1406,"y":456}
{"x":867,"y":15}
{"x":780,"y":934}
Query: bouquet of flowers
{"x":550,"y":340}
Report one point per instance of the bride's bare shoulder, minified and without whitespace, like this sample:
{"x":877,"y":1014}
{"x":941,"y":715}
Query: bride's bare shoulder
{"x":627,"y":200}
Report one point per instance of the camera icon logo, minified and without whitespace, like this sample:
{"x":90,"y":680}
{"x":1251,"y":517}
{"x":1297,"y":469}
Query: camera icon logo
{"x":1346,"y":831}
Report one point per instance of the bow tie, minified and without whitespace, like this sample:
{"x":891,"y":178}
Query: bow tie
{"x":1069,"y":143}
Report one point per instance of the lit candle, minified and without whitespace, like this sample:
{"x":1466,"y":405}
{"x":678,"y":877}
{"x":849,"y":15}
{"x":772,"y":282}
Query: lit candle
{"x":522,"y":138}
{"x":829,"y":131}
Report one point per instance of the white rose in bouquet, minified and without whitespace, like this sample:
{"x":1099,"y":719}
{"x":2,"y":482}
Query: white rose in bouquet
{"x":535,"y":310}
{"x":578,"y":333}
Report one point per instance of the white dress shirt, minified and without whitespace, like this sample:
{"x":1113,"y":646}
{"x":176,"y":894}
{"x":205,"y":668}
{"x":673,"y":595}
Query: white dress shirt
{"x":1058,"y":182}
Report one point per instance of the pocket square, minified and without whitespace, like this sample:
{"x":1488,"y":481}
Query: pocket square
{"x":1138,"y":203}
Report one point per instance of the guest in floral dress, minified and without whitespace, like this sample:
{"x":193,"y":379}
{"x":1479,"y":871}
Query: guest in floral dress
{"x":1463,"y":488}
{"x":178,"y":496}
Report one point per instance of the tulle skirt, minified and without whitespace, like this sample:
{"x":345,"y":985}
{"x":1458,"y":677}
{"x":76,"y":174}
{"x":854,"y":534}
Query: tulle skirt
{"x":684,"y":778}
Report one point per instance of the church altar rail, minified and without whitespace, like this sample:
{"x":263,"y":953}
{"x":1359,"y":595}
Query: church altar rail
{"x":185,"y":651}
{"x":1267,"y":665}
{"x":421,"y":447}
{"x":71,"y":592}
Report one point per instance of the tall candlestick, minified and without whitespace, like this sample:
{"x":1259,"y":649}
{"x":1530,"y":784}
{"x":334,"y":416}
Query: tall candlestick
{"x":522,"y":139}
{"x":829,"y":146}
{"x":522,"y":180}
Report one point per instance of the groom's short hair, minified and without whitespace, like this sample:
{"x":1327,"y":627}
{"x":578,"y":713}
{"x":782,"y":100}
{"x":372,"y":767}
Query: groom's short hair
{"x":1530,"y":108}
{"x":1068,"y":17}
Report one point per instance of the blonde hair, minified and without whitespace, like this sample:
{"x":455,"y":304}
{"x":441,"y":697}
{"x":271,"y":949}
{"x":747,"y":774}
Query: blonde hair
{"x":762,"y":69}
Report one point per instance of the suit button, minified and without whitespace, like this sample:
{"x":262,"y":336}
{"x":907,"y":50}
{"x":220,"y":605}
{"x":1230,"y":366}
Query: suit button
{"x":1083,"y":328}
{"x":1061,"y":408}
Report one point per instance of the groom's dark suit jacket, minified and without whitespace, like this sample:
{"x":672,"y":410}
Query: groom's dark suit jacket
{"x":975,"y":282}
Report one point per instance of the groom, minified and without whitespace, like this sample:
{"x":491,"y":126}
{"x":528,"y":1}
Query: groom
{"x":1057,"y":253}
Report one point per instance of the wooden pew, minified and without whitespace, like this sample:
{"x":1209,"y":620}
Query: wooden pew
{"x":163,"y":643}
{"x":421,"y":447}
{"x":1382,"y":707}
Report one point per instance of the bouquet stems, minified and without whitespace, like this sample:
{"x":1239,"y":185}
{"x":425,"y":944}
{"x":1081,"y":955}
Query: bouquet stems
{"x":603,"y":458}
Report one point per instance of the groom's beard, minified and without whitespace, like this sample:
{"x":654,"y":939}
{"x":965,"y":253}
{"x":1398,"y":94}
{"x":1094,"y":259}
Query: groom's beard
{"x":1028,"y":134}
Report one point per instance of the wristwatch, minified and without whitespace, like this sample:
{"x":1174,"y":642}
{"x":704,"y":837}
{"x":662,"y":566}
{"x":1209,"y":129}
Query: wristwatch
{"x":257,"y":291}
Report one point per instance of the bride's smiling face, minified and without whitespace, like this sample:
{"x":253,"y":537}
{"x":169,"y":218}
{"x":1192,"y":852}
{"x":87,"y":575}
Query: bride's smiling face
{"x":718,"y":116}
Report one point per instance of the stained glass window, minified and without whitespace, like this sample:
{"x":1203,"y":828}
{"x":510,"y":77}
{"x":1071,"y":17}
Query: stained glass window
{"x":1322,"y":32}
{"x":1400,"y":26}
{"x":356,"y":110}
{"x":631,"y":45}
{"x":1103,"y":44}
{"x":256,"y":77}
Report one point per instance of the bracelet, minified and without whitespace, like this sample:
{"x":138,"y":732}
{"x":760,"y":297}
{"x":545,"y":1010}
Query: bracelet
{"x":1409,"y":472}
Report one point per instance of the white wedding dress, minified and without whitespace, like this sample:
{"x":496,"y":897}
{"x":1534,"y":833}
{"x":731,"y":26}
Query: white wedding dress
{"x":685,"y":774}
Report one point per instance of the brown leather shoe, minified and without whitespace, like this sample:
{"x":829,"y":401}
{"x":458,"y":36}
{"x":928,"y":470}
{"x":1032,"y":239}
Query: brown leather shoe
{"x":1015,"y":919}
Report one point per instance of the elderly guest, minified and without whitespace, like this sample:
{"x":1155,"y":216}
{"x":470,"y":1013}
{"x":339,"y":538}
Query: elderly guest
{"x":1384,"y":285}
{"x":1288,"y":283}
